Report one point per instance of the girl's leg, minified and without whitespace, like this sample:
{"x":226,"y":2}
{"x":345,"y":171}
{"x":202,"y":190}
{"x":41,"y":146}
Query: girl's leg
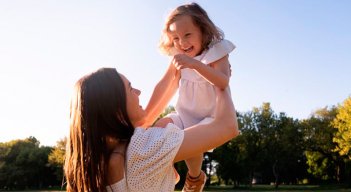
{"x":195,"y":179}
{"x":194,"y":165}
{"x":163,"y":122}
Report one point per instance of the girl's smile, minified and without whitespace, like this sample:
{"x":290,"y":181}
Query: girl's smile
{"x":186,"y":36}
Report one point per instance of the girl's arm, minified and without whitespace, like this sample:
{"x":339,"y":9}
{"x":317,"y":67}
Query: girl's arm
{"x":200,"y":138}
{"x":163,"y":92}
{"x":217,"y":73}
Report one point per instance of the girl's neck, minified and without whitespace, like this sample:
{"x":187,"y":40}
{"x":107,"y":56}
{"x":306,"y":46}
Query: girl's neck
{"x":200,"y":52}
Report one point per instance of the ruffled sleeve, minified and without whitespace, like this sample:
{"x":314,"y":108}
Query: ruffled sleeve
{"x":150,"y":157}
{"x":217,"y":51}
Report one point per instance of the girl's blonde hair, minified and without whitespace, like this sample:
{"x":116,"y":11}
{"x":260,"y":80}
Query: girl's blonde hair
{"x":210,"y":32}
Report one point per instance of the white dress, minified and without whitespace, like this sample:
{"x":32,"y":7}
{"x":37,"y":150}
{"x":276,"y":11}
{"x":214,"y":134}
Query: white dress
{"x":197,"y":97}
{"x":149,"y":160}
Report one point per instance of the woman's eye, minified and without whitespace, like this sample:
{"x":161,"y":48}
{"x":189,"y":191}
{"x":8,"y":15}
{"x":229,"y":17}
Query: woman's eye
{"x":187,"y":35}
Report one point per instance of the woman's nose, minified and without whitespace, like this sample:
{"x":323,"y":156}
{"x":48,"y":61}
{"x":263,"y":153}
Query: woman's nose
{"x":138,"y":92}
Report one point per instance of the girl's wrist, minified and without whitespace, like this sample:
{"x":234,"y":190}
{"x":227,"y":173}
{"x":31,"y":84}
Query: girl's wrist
{"x":196,"y":64}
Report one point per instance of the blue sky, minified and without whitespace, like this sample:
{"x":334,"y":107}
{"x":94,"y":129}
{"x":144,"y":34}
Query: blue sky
{"x":294,"y":54}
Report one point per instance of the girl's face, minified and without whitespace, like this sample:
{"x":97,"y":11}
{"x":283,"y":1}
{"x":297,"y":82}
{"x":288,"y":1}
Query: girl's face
{"x":135,"y":112}
{"x":186,"y":37}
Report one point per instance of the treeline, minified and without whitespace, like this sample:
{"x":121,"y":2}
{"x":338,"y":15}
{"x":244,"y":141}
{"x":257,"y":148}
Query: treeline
{"x":274,"y":148}
{"x":271,"y":148}
{"x":277,"y":149}
{"x":24,"y":164}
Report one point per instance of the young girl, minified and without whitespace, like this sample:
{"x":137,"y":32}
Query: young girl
{"x":199,"y":63}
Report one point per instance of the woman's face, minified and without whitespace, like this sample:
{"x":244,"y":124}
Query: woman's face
{"x":135,"y":112}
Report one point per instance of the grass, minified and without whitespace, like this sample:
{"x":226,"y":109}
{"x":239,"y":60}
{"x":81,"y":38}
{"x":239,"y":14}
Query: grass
{"x":264,"y":188}
{"x":281,"y":188}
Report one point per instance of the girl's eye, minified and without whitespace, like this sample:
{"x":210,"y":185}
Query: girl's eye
{"x":175,"y":39}
{"x":187,"y":35}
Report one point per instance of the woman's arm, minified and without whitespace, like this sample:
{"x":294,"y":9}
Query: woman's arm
{"x":201,"y":138}
{"x":162,"y":94}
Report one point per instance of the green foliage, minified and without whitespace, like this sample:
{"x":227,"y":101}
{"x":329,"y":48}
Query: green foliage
{"x":233,"y":165}
{"x":167,"y":111}
{"x":24,"y":164}
{"x":322,"y":160}
{"x":268,"y":149}
{"x":57,"y":157}
{"x":318,"y":165}
{"x":342,"y":123}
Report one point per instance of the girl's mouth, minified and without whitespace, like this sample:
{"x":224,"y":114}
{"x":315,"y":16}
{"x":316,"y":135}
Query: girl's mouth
{"x":188,"y":49}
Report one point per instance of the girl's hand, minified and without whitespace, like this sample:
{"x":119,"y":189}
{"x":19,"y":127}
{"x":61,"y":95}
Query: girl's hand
{"x":181,"y":61}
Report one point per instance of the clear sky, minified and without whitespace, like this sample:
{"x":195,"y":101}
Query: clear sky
{"x":294,"y":54}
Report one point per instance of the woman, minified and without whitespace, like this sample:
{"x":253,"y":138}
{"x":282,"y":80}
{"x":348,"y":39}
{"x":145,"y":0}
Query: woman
{"x":107,"y":150}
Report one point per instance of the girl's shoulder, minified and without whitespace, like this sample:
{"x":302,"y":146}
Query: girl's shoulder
{"x":223,"y":44}
{"x":217,"y":51}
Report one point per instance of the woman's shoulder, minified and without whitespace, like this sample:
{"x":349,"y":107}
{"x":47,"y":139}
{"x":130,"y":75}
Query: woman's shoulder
{"x":170,"y":128}
{"x":155,"y":141}
{"x":150,"y":155}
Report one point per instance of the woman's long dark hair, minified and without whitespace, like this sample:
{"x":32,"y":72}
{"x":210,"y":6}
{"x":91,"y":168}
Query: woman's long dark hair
{"x":98,"y":111}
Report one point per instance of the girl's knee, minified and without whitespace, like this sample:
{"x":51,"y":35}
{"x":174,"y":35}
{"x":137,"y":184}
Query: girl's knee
{"x":163,"y":122}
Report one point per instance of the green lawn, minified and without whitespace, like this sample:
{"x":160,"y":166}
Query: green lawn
{"x":282,"y":188}
{"x":267,"y":188}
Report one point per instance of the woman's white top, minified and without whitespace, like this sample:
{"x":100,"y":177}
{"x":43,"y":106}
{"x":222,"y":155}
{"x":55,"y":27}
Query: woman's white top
{"x":149,"y":160}
{"x":197,"y":97}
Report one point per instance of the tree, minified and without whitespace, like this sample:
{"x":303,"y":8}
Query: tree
{"x":57,"y":157}
{"x":235,"y":166}
{"x":342,"y":137}
{"x":342,"y":123}
{"x":268,"y":149}
{"x":322,"y":160}
{"x":288,"y":165}
{"x":23,"y":164}
{"x":238,"y":159}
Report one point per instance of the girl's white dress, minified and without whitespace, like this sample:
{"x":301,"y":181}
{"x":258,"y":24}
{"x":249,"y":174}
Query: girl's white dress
{"x":197,"y":97}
